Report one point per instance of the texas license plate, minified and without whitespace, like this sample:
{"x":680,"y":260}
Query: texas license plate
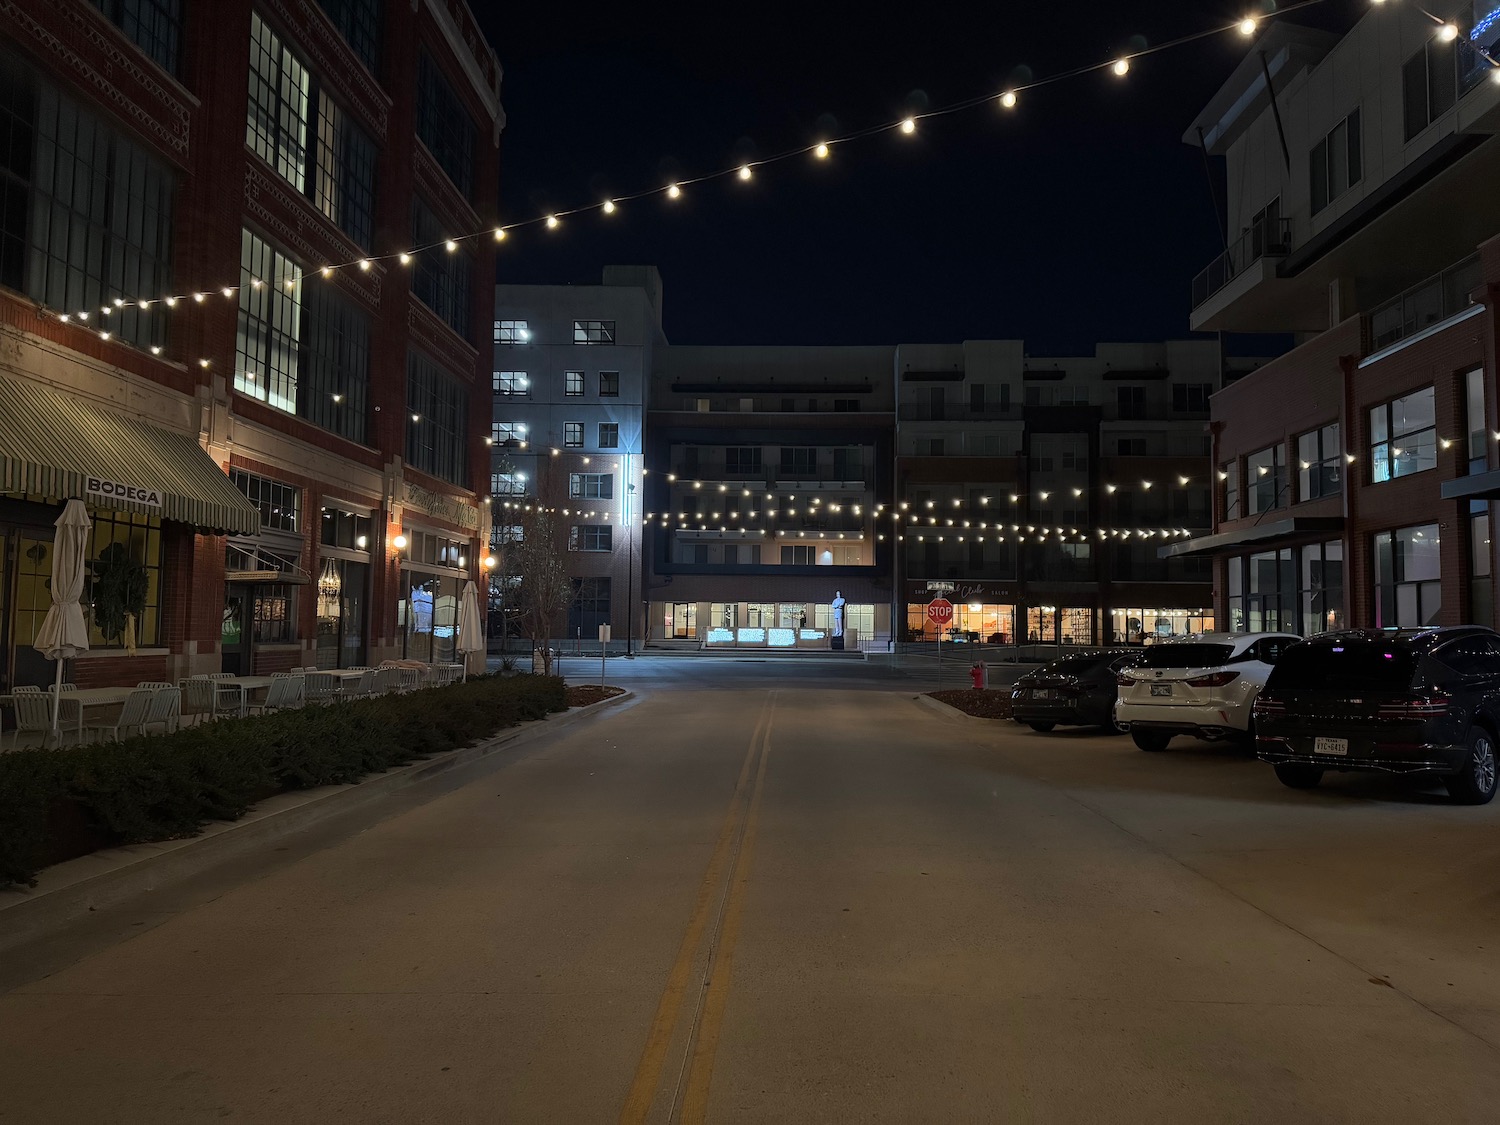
{"x":1161,"y":689}
{"x":1339,"y":746}
{"x":1041,"y":693}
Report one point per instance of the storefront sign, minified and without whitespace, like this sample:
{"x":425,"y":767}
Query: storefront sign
{"x":918,"y":590}
{"x":94,"y":487}
{"x":936,"y":587}
{"x":449,"y":508}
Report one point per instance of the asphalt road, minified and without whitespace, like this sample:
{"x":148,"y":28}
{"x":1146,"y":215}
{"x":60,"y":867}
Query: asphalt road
{"x":776,"y":892}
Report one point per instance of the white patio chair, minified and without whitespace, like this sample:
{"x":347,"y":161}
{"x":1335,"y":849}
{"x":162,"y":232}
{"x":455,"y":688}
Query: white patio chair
{"x":133,"y":716}
{"x":197,"y":697}
{"x":284,"y":693}
{"x":411,"y":679}
{"x":27,"y":689}
{"x":320,"y":687}
{"x":387,"y":680}
{"x":33,"y":716}
{"x":166,"y":707}
{"x":154,"y":685}
{"x":361,"y":688}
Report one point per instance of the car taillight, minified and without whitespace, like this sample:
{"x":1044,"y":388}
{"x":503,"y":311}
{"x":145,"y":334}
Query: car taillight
{"x":1420,"y":707}
{"x":1123,"y":680}
{"x":1213,"y":679}
{"x":1273,"y":707}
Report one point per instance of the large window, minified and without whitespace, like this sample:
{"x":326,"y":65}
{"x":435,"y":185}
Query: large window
{"x":507,"y":433}
{"x":279,"y":504}
{"x":1265,"y":479}
{"x":358,"y":22}
{"x":1429,"y":81}
{"x":573,"y":384}
{"x":155,"y":26}
{"x":798,"y":461}
{"x":1229,"y":477}
{"x":797,"y":554}
{"x":511,"y":332}
{"x":1262,"y":592}
{"x":593,"y":332}
{"x":742,"y":460}
{"x":1320,"y":587}
{"x":1479,"y":431}
{"x":437,"y":421}
{"x":591,"y":486}
{"x":1335,"y":163}
{"x":1320,"y":463}
{"x":1407,"y":572}
{"x":609,"y":384}
{"x":511,"y":383}
{"x":85,"y":214}
{"x":1481,"y":584}
{"x":299,"y":349}
{"x":440,"y":279}
{"x":573,"y":435}
{"x":1403,"y":437}
{"x":609,"y":435}
{"x":508,"y":484}
{"x":444,"y":125}
{"x":336,"y":167}
{"x":589,"y":537}
{"x":1191,"y":398}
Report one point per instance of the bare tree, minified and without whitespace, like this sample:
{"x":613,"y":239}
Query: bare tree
{"x":538,"y":559}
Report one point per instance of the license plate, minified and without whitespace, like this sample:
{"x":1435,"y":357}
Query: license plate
{"x":1338,"y":746}
{"x":1041,"y":693}
{"x":1161,"y":690}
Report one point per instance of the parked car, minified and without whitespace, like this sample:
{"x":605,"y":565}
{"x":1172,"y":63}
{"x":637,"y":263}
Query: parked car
{"x":1078,"y":690}
{"x":1397,"y":701}
{"x":1203,"y":687}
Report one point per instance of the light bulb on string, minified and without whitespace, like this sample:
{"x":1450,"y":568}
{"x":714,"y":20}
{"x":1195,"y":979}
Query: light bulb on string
{"x":821,"y":151}
{"x":500,"y":234}
{"x":609,"y":207}
{"x":1248,"y":25}
{"x":1008,"y":99}
{"x":674,"y":192}
{"x":1448,"y":32}
{"x":909,"y":125}
{"x":1121,"y":67}
{"x":450,"y":245}
{"x":744,"y":173}
{"x":552,"y":222}
{"x":404,"y":259}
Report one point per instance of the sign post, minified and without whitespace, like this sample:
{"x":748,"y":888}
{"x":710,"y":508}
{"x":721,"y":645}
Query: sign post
{"x":603,"y":642}
{"x":940,"y":613}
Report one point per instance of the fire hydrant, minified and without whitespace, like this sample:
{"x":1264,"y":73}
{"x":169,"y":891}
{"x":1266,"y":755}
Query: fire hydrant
{"x":980,"y":675}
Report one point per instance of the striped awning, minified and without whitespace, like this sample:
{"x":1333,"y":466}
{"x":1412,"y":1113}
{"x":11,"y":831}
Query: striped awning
{"x":56,"y":447}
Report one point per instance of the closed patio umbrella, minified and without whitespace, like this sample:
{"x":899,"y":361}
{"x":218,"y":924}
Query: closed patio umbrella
{"x":64,"y":632}
{"x":470,"y":625}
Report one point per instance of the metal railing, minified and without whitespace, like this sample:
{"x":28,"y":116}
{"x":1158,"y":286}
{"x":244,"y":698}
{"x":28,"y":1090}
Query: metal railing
{"x":1264,"y":240}
{"x":1424,"y":304}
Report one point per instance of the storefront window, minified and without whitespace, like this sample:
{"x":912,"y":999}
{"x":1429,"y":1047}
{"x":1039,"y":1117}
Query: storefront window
{"x":1320,"y":587}
{"x":342,"y":590}
{"x":1407,"y":588}
{"x":1481,"y":593}
{"x":1147,"y":625}
{"x":274,"y":619}
{"x":427,"y":615}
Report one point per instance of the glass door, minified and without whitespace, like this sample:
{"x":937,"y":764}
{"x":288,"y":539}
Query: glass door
{"x":684,"y":619}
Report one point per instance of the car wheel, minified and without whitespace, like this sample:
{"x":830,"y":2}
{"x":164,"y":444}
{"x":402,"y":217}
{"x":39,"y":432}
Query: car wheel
{"x":1295,"y":775}
{"x":1474,"y":784}
{"x":1151,"y":739}
{"x":1042,"y":727}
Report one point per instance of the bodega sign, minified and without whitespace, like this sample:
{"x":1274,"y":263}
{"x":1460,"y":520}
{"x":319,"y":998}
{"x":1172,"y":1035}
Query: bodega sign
{"x":115,"y":490}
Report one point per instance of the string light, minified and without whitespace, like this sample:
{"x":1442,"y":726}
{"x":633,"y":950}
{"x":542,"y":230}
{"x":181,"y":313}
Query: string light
{"x":674,"y":192}
{"x":821,"y":151}
{"x":909,"y":126}
{"x":744,"y":172}
{"x":609,"y":207}
{"x":1008,"y":99}
{"x":1121,"y":68}
{"x":500,"y":234}
{"x":1248,"y":26}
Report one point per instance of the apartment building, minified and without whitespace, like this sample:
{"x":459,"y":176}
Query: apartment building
{"x":1034,"y":493}
{"x":206,"y":332}
{"x":1354,"y":474}
{"x":571,"y":367}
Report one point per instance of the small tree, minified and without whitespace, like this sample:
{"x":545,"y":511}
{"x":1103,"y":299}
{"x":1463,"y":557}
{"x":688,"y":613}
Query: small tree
{"x":538,"y":559}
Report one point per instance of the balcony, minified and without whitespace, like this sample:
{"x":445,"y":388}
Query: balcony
{"x":1271,"y":239}
{"x":1424,"y":304}
{"x":958,"y":412}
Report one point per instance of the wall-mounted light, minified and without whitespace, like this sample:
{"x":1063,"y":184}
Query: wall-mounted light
{"x":489,"y":562}
{"x":399,"y":542}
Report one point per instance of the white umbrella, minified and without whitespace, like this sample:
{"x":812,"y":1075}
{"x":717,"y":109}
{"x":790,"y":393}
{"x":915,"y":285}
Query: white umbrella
{"x":64,"y":632}
{"x":470,"y":627}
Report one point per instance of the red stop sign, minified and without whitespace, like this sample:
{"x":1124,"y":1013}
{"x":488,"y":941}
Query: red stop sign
{"x":940,"y":611}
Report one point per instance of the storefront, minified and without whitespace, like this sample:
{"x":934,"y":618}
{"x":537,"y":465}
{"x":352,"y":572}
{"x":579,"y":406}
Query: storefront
{"x":434,"y":567}
{"x":1149,"y":625}
{"x":983,"y":612}
{"x":147,"y":490}
{"x":789,"y":624}
{"x":343,"y":587}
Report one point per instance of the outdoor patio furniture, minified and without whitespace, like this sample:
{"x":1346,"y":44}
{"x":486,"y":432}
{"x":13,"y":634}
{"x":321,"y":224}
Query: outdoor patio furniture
{"x":166,"y":707}
{"x":152,"y":684}
{"x":285,"y":693}
{"x":132,"y":718}
{"x":360,"y":687}
{"x":197,"y":697}
{"x":411,"y":679}
{"x":33,"y":716}
{"x":387,"y":680}
{"x":30,"y":689}
{"x":320,"y":687}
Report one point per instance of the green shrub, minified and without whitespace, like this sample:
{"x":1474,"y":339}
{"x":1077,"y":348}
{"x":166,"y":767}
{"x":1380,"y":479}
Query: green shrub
{"x":168,"y":786}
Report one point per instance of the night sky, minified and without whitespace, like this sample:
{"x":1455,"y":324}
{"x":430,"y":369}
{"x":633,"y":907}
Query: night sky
{"x":1076,"y":218}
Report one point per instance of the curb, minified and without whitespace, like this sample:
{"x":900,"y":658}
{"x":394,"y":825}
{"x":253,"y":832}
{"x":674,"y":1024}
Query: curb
{"x":77,"y":886}
{"x":925,"y":700}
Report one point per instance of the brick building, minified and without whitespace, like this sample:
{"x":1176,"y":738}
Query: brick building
{"x":1355,"y":473}
{"x":201,"y":300}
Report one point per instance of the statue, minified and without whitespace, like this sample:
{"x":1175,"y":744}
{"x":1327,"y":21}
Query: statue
{"x":837,"y":605}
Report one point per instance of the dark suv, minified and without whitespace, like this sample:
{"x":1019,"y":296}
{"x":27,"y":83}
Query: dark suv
{"x":1078,"y":690}
{"x":1397,"y":701}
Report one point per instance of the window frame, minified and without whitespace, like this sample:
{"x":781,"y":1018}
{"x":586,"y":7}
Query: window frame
{"x":572,"y":435}
{"x":1320,"y":467}
{"x":594,"y":332}
{"x":1420,"y":442}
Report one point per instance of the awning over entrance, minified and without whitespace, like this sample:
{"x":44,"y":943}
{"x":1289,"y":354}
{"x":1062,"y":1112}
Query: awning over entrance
{"x":1476,"y":486}
{"x":1259,"y":533}
{"x":59,"y":447}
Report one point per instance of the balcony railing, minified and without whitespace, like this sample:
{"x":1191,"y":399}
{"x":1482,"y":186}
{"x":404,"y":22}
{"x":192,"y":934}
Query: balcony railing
{"x":958,"y":412}
{"x":1264,"y":240}
{"x":1425,"y":304}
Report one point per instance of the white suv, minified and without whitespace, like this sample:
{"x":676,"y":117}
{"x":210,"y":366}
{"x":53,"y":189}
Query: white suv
{"x":1204,"y":687}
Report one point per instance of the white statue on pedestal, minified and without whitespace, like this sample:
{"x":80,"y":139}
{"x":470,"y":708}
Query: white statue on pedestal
{"x":837,"y":605}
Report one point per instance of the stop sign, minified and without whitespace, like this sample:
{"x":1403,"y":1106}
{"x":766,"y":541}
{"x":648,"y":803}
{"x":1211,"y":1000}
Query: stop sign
{"x":940,"y":611}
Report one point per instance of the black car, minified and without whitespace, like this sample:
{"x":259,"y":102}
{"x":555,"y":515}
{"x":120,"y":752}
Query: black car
{"x":1397,"y":701}
{"x":1078,"y":690}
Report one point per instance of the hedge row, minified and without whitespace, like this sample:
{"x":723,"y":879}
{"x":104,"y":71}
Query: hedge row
{"x":58,"y":803}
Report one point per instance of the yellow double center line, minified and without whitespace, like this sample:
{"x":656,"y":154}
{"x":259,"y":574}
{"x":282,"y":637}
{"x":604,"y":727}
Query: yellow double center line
{"x":723,"y":906}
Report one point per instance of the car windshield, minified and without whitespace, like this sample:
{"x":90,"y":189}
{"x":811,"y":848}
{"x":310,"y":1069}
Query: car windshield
{"x":1195,"y":654}
{"x":1345,"y":667}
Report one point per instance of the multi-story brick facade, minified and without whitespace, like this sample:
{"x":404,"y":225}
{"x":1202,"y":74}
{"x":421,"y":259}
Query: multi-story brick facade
{"x":1355,"y":473}
{"x":225,"y":191}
